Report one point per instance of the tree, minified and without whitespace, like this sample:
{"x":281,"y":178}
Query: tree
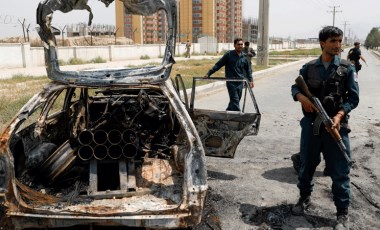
{"x":373,"y":38}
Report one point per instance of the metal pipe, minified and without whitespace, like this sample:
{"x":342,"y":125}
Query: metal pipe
{"x":115,"y":152}
{"x":129,"y":136}
{"x":100,"y":152}
{"x":114,"y":137}
{"x":129,"y":151}
{"x":100,"y":137}
{"x":85,"y":137}
{"x":85,"y":152}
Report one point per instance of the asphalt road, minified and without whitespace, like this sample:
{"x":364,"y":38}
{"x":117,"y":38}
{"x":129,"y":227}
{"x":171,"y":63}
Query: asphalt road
{"x":256,"y":189}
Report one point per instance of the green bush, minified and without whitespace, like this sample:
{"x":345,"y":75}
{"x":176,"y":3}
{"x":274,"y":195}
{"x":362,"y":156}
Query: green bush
{"x":76,"y":61}
{"x":98,"y":60}
{"x":144,"y":57}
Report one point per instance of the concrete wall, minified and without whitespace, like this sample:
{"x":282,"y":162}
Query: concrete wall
{"x":22,"y":55}
{"x":14,"y":55}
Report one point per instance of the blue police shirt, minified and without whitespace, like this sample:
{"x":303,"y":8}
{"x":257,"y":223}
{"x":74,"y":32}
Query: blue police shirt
{"x":235,"y":66}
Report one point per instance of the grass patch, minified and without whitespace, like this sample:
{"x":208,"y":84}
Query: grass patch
{"x":15,"y":92}
{"x":301,"y":52}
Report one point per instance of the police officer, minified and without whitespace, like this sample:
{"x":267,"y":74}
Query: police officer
{"x":354,"y":55}
{"x":334,"y":82}
{"x":237,"y":66}
{"x":249,"y":51}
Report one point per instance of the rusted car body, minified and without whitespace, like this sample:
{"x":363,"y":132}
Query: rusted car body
{"x":112,"y":147}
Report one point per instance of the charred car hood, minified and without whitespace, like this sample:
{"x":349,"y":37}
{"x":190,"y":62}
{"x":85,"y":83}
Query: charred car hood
{"x":107,"y":77}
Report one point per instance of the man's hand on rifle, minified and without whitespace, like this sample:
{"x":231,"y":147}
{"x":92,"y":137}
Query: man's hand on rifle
{"x":337,"y":119}
{"x":307,"y":105}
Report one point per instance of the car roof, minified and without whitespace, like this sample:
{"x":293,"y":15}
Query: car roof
{"x":112,"y":77}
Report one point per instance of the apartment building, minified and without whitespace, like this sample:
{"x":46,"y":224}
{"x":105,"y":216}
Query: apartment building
{"x":141,"y":29}
{"x":216,"y":18}
{"x":197,"y":18}
{"x":250,"y":29}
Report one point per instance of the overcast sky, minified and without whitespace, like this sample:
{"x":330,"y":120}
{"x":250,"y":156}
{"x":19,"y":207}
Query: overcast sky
{"x":287,"y":18}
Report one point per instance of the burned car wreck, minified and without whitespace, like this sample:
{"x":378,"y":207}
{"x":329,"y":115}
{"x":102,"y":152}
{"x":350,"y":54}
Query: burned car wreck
{"x":112,"y":147}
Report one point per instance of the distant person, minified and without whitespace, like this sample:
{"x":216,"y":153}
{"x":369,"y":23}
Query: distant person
{"x":249,"y":51}
{"x":236,"y":66}
{"x":354,"y":55}
{"x":338,"y":92}
{"x":188,"y":47}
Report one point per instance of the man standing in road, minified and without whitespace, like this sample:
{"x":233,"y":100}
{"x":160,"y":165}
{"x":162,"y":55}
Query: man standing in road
{"x":354,"y":55}
{"x":334,"y":82}
{"x":237,"y":66}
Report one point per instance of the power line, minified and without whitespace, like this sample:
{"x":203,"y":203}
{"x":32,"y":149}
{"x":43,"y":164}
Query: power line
{"x":344,"y":31}
{"x":334,"y":12}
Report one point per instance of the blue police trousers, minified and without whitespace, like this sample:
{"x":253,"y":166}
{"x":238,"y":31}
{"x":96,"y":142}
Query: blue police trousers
{"x":338,"y":168}
{"x":235,"y":90}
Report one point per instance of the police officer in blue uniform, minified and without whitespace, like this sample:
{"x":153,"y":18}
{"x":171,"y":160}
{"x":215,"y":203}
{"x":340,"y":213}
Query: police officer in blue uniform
{"x":237,"y":66}
{"x":334,"y":82}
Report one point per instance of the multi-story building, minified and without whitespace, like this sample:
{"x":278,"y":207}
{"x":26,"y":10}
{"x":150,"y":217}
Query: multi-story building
{"x":216,"y":18}
{"x":81,"y":29}
{"x":197,"y":18}
{"x":250,"y":29}
{"x":141,"y":29}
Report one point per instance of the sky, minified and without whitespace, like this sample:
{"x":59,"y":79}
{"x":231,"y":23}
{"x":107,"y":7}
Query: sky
{"x":287,"y":18}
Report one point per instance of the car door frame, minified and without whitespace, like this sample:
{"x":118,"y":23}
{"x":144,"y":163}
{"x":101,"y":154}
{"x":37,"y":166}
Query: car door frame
{"x":222,"y":131}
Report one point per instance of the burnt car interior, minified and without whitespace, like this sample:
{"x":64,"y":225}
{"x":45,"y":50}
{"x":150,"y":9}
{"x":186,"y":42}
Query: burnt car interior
{"x":131,"y":134}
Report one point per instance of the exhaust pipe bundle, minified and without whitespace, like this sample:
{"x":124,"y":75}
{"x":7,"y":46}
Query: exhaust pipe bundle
{"x":99,"y":144}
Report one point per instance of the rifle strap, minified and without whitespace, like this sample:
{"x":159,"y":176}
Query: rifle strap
{"x":317,"y":125}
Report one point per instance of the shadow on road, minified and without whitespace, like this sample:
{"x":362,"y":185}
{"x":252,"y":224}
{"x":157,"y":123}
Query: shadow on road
{"x":285,"y":175}
{"x":213,"y":175}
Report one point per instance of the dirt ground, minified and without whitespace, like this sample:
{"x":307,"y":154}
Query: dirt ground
{"x":257,"y":188}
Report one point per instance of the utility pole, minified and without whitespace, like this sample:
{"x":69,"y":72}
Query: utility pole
{"x":263,"y":34}
{"x":349,"y":35}
{"x":344,"y":32}
{"x":334,"y":12}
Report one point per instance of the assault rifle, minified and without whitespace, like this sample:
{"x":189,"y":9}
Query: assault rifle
{"x":327,"y":121}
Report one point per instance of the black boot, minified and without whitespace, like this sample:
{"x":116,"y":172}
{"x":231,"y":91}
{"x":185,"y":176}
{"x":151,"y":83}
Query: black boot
{"x":302,"y":204}
{"x":342,"y":219}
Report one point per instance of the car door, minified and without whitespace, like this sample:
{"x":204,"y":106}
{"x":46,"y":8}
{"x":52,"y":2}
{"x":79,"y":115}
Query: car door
{"x":220,"y":131}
